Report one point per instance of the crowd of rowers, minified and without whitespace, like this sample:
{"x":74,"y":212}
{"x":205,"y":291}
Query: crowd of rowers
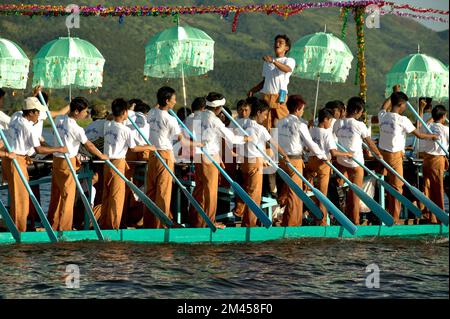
{"x":119,"y":140}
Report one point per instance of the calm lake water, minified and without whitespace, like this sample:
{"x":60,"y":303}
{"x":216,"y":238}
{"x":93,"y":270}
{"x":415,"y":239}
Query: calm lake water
{"x":312,"y":268}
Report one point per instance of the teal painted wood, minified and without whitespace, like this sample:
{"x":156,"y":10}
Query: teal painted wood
{"x":411,"y":108}
{"x":86,"y":203}
{"x":191,"y":198}
{"x":436,"y":210}
{"x":145,"y":199}
{"x":343,"y":220}
{"x":230,"y":235}
{"x":9,"y":222}
{"x":383,"y":184}
{"x":42,"y":216}
{"x":237,"y":188}
{"x":383,"y":215}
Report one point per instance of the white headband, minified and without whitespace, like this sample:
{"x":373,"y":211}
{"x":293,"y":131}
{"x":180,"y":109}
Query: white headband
{"x":216,"y":103}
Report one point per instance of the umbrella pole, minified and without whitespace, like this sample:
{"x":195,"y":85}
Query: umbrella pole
{"x":184,"y":90}
{"x":317,"y":97}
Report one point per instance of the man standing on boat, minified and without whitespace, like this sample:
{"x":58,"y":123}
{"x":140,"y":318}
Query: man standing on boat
{"x":276,"y":73}
{"x":273,"y":88}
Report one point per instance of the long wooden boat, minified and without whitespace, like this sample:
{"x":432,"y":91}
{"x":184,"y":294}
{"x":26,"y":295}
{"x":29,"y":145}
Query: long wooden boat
{"x":230,"y":234}
{"x":227,"y":235}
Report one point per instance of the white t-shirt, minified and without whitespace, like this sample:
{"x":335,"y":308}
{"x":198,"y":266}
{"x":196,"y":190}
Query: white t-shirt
{"x":393,"y":130}
{"x":4,"y":120}
{"x":210,"y":130}
{"x":350,"y":134}
{"x":21,"y":136}
{"x":95,"y":130}
{"x":189,"y":122}
{"x":37,"y":127}
{"x":419,"y":144}
{"x":430,"y":146}
{"x":72,"y":135}
{"x":118,"y":139}
{"x":260,"y":136}
{"x":293,"y":136}
{"x":132,"y":115}
{"x":324,"y":139}
{"x":275,"y":79}
{"x":141,"y":121}
{"x":163,"y":129}
{"x":151,"y":113}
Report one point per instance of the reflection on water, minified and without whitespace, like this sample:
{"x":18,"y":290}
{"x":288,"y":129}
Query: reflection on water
{"x":309,"y":268}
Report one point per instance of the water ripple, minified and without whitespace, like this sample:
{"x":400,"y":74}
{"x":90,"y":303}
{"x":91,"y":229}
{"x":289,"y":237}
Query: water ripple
{"x":299,"y":268}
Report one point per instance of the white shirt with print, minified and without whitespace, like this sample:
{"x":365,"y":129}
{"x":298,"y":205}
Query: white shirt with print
{"x":118,"y":139}
{"x":393,"y":130}
{"x":275,"y":79}
{"x":350,"y":134}
{"x":72,"y":135}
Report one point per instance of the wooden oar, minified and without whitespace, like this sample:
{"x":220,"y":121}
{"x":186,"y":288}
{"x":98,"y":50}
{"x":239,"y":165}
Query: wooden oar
{"x":180,"y":185}
{"x":87,"y":204}
{"x":147,"y":201}
{"x":406,"y":202}
{"x":236,"y":187}
{"x":9,"y":222}
{"x":340,"y":217}
{"x":369,"y":201}
{"x":440,"y":214}
{"x":411,"y":108}
{"x":284,"y":176}
{"x":44,"y":220}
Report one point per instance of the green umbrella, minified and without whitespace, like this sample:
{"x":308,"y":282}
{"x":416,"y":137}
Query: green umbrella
{"x":68,"y":62}
{"x":178,"y":52}
{"x":14,"y":65}
{"x":419,"y":75}
{"x":323,"y":57}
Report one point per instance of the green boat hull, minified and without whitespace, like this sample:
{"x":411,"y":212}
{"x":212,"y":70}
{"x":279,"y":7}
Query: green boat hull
{"x":230,"y":235}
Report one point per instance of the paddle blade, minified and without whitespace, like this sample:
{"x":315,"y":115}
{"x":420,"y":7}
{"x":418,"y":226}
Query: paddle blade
{"x":383,"y":215}
{"x":150,"y":204}
{"x":199,"y":209}
{"x":340,"y":217}
{"x":37,"y":205}
{"x":402,"y":199}
{"x":9,"y":222}
{"x":313,"y":208}
{"x":251,"y":204}
{"x":435,"y":209}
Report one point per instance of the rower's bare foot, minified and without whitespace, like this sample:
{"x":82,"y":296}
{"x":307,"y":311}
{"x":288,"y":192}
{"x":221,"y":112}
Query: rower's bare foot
{"x":219,"y":225}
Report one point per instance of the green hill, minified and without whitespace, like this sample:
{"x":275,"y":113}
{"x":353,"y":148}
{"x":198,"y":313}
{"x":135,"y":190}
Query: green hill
{"x":237,"y":55}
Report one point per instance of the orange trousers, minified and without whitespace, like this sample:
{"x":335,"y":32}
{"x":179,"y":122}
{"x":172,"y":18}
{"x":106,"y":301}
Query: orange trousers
{"x":252,"y":176}
{"x":434,"y":167}
{"x":205,"y":191}
{"x":113,"y":195}
{"x":293,"y":213}
{"x":20,"y":199}
{"x":277,"y":110}
{"x":395,"y":160}
{"x":352,"y":205}
{"x":62,"y":197}
{"x":130,"y":201}
{"x":317,"y":169}
{"x":159,"y":187}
